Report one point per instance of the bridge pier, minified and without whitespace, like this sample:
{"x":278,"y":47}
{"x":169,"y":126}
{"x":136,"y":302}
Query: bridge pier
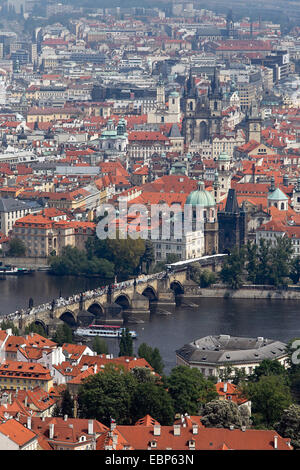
{"x":139,"y":309}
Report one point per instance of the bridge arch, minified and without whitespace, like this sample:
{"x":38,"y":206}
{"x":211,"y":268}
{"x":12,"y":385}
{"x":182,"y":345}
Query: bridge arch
{"x":68,"y":317}
{"x":96,"y":309}
{"x":39,"y":322}
{"x":177,"y":287}
{"x":123,"y":300}
{"x":150,"y":293}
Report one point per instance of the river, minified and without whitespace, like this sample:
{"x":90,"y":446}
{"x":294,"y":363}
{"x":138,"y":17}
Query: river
{"x":276,"y":319}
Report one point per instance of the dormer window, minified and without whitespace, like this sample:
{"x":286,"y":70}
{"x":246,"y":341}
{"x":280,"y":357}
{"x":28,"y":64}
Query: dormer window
{"x":82,"y":439}
{"x":153,"y":444}
{"x":192,"y":444}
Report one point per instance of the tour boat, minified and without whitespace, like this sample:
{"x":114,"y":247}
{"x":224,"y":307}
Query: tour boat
{"x":107,"y":331}
{"x":13,"y":270}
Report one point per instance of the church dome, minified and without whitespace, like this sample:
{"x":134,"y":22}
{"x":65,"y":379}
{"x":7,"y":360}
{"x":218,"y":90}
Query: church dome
{"x":201,"y":197}
{"x":277,"y":195}
{"x":223,"y":157}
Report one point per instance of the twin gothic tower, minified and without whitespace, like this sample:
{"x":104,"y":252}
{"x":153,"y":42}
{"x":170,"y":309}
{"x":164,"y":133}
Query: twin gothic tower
{"x":202,"y":114}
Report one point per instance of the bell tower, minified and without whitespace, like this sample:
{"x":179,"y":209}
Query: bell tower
{"x":254,"y":124}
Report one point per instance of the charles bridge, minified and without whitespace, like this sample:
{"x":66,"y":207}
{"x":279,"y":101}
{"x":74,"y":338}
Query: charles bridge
{"x":129,"y":300}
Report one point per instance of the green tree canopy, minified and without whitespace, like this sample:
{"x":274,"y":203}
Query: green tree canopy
{"x":107,"y":395}
{"x":63,"y":335}
{"x":99,"y":345}
{"x":5,"y":325}
{"x":152,"y":399}
{"x":223,"y":414}
{"x":189,"y":390}
{"x":148,"y":257}
{"x":126,"y":343}
{"x":152,"y":356}
{"x":35,"y":328}
{"x":269,"y":397}
{"x":74,"y":261}
{"x":126,"y":255}
{"x":232,"y":270}
{"x":268,"y":367}
{"x":67,"y":404}
{"x":289,"y":425}
{"x":17,"y":247}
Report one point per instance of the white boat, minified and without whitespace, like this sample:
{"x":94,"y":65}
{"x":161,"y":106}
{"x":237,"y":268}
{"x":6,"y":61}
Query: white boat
{"x":107,"y":331}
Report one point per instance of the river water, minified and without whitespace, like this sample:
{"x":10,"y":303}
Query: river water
{"x":276,"y":319}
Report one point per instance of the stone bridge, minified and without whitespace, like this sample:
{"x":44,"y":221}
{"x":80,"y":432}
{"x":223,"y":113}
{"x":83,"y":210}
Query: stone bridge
{"x":128,"y":300}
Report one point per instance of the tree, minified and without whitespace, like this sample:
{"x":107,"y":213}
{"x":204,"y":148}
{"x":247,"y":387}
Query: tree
{"x":223,"y":414}
{"x":107,"y":395}
{"x":263,"y":265}
{"x":161,"y":265}
{"x":268,"y":367}
{"x":281,"y":256}
{"x":67,"y":404}
{"x":6,"y":325}
{"x":295,"y":270}
{"x":125,"y":254}
{"x":189,"y":390}
{"x":149,"y":256}
{"x":34,"y":328}
{"x":126,"y":343}
{"x":234,"y":374}
{"x":207,"y":278}
{"x":294,"y":368}
{"x":231,"y":273}
{"x":289,"y":425}
{"x":99,"y":345}
{"x":269,"y":397}
{"x":63,"y":335}
{"x":152,"y":356}
{"x":152,"y":399}
{"x":143,"y":375}
{"x":17,"y":247}
{"x":252,"y":261}
{"x":204,"y":278}
{"x":76,"y":262}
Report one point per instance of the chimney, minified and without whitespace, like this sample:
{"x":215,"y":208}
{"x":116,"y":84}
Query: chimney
{"x":65,"y":417}
{"x":26,"y":401}
{"x":156,"y":430}
{"x":91,"y":426}
{"x":275,"y":442}
{"x":231,"y":427}
{"x":225,"y":387}
{"x":95,"y":368}
{"x":51,"y":430}
{"x":176,"y":429}
{"x":195,"y":428}
{"x":29,"y":422}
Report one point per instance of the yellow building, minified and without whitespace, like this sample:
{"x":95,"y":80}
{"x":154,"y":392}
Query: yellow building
{"x":15,"y":375}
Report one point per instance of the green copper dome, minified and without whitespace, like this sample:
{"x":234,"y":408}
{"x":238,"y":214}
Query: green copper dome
{"x":201,"y":197}
{"x":223,"y":157}
{"x":277,"y":195}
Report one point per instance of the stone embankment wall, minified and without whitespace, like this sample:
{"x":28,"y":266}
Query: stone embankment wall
{"x":245,"y":292}
{"x":25,"y":262}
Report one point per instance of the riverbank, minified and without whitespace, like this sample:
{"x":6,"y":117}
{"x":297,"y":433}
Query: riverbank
{"x":245,"y":292}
